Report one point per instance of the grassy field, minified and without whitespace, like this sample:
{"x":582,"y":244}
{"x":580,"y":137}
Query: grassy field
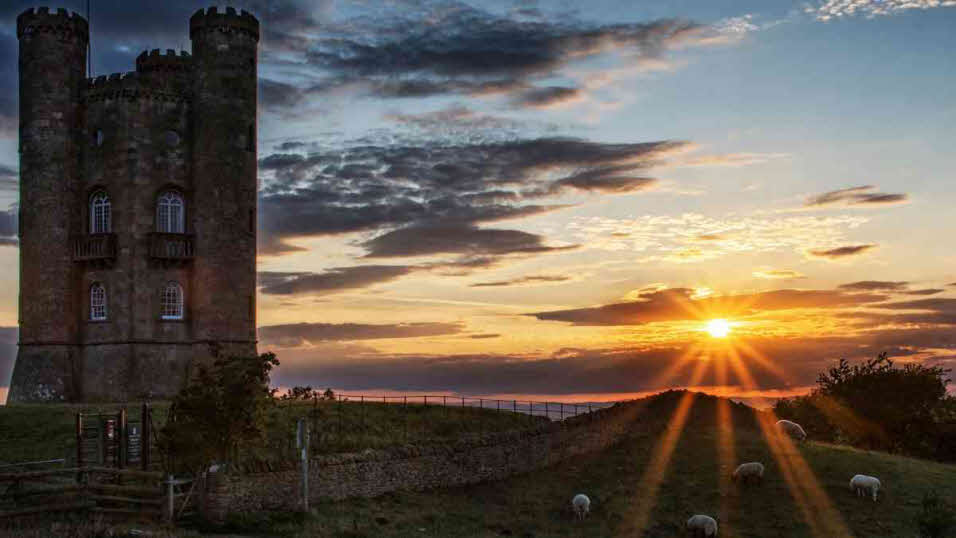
{"x":628,"y":496}
{"x":676,"y":463}
{"x":45,"y":432}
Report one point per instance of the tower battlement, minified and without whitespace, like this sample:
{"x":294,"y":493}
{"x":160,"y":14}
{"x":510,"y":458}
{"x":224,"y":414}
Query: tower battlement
{"x":153,"y":61}
{"x":61,"y":22}
{"x":229,"y":22}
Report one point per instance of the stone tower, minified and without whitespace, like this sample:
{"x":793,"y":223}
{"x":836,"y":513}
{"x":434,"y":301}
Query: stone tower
{"x":137,"y":210}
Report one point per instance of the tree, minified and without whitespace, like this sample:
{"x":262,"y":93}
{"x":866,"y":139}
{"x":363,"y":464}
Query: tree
{"x":221,"y":408}
{"x":299,"y":393}
{"x":877,"y":405}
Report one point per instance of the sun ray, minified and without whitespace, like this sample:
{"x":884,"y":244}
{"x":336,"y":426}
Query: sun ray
{"x":726,"y":448}
{"x":650,"y":481}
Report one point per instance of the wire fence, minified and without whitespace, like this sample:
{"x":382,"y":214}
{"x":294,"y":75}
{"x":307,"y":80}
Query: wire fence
{"x":355,"y":422}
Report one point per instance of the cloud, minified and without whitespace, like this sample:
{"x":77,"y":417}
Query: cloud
{"x":677,"y":304}
{"x":369,"y":187}
{"x":836,"y":9}
{"x":692,"y":237}
{"x":936,"y":311}
{"x":855,"y":196}
{"x":331,"y":281}
{"x":875,"y":285}
{"x":781,"y":274}
{"x":625,"y":370}
{"x":299,"y":334}
{"x":9,"y":177}
{"x":549,"y":96}
{"x":8,"y":354}
{"x":8,"y":227}
{"x":840,"y":252}
{"x":484,"y":336}
{"x":466,"y":50}
{"x":452,"y":120}
{"x":525,"y":280}
{"x":927,"y":291}
{"x":456,"y":239}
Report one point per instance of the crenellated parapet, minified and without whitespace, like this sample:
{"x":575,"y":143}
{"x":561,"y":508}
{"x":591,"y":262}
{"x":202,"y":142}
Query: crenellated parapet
{"x":172,"y":63}
{"x":229,"y":22}
{"x":63,"y":23}
{"x":129,"y":86}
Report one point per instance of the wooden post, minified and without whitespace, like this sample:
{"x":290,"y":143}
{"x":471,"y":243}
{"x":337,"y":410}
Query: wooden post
{"x":170,"y":504}
{"x":79,"y":439}
{"x":547,"y":415}
{"x":405,"y":417}
{"x":302,"y":441}
{"x":145,"y":438}
{"x":123,"y":442}
{"x":562,"y":411}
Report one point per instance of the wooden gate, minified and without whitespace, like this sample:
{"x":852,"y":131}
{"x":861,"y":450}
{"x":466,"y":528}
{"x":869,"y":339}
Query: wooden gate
{"x":114,"y":440}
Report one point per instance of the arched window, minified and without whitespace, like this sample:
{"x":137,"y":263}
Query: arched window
{"x":97,"y":302}
{"x":170,"y":213}
{"x":171,"y":302}
{"x":100,"y":213}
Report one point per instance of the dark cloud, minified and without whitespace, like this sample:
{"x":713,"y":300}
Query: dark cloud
{"x":8,"y":224}
{"x":463,"y":48}
{"x":531,"y":279}
{"x":278,"y":95}
{"x":9,"y":178}
{"x":871,"y":285}
{"x":297,"y":334}
{"x":456,"y":239}
{"x":331,"y":281}
{"x":8,"y":354}
{"x":616,"y":370}
{"x":864,"y":195}
{"x":840,"y":252}
{"x":676,"y":304}
{"x":548,"y":96}
{"x":452,"y":119}
{"x":927,"y":291}
{"x":484,"y":336}
{"x":372,"y":187}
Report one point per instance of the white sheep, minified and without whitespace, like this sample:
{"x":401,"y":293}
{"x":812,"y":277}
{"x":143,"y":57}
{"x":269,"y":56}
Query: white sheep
{"x":701,"y":526}
{"x":863,"y":484}
{"x":581,"y":505}
{"x":792,"y":429}
{"x":749,"y":471}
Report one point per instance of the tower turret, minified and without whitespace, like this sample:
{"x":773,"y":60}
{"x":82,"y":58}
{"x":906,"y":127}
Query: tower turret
{"x":52,"y":78}
{"x":225,"y":50}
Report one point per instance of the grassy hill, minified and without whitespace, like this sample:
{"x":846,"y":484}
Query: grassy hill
{"x":676,"y":463}
{"x":636,"y":486}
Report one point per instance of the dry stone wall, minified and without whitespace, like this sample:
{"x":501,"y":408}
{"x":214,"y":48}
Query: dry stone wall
{"x":416,"y":467}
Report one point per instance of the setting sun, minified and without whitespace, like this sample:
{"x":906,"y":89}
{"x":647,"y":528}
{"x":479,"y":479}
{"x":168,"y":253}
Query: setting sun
{"x":718,"y":328}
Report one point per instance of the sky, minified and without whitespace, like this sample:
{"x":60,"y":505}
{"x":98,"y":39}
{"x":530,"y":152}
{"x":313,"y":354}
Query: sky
{"x":553,"y":199}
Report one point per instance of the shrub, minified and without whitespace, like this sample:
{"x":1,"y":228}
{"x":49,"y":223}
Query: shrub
{"x":221,"y":408}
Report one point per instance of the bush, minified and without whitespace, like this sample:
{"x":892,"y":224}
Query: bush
{"x":221,"y":408}
{"x":935,"y":520}
{"x":876,"y":405}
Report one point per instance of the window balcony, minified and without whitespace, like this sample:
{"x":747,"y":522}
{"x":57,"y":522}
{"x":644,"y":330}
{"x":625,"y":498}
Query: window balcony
{"x":171,"y":247}
{"x":94,"y":247}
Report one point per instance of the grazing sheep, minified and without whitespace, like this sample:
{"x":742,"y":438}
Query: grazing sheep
{"x":701,"y":526}
{"x":792,"y":429}
{"x":581,"y":505}
{"x":749,"y":471}
{"x":863,"y":485}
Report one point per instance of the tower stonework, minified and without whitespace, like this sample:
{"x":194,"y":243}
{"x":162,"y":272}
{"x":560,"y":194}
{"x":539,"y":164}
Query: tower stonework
{"x":137,"y":210}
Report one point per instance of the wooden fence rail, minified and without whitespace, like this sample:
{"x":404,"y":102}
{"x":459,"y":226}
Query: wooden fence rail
{"x":99,"y":490}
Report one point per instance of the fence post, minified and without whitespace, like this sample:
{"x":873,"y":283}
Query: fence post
{"x":123,"y":443}
{"x":405,"y":417}
{"x":146,"y":424}
{"x":562,"y":411}
{"x":79,"y":439}
{"x":170,"y":499}
{"x":302,"y":442}
{"x":514,"y":406}
{"x":547,"y":414}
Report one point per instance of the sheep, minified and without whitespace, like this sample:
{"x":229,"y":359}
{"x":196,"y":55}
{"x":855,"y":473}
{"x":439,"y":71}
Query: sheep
{"x":792,"y":429}
{"x":863,"y":484}
{"x":747,"y":471}
{"x":581,"y":505}
{"x":701,"y":526}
